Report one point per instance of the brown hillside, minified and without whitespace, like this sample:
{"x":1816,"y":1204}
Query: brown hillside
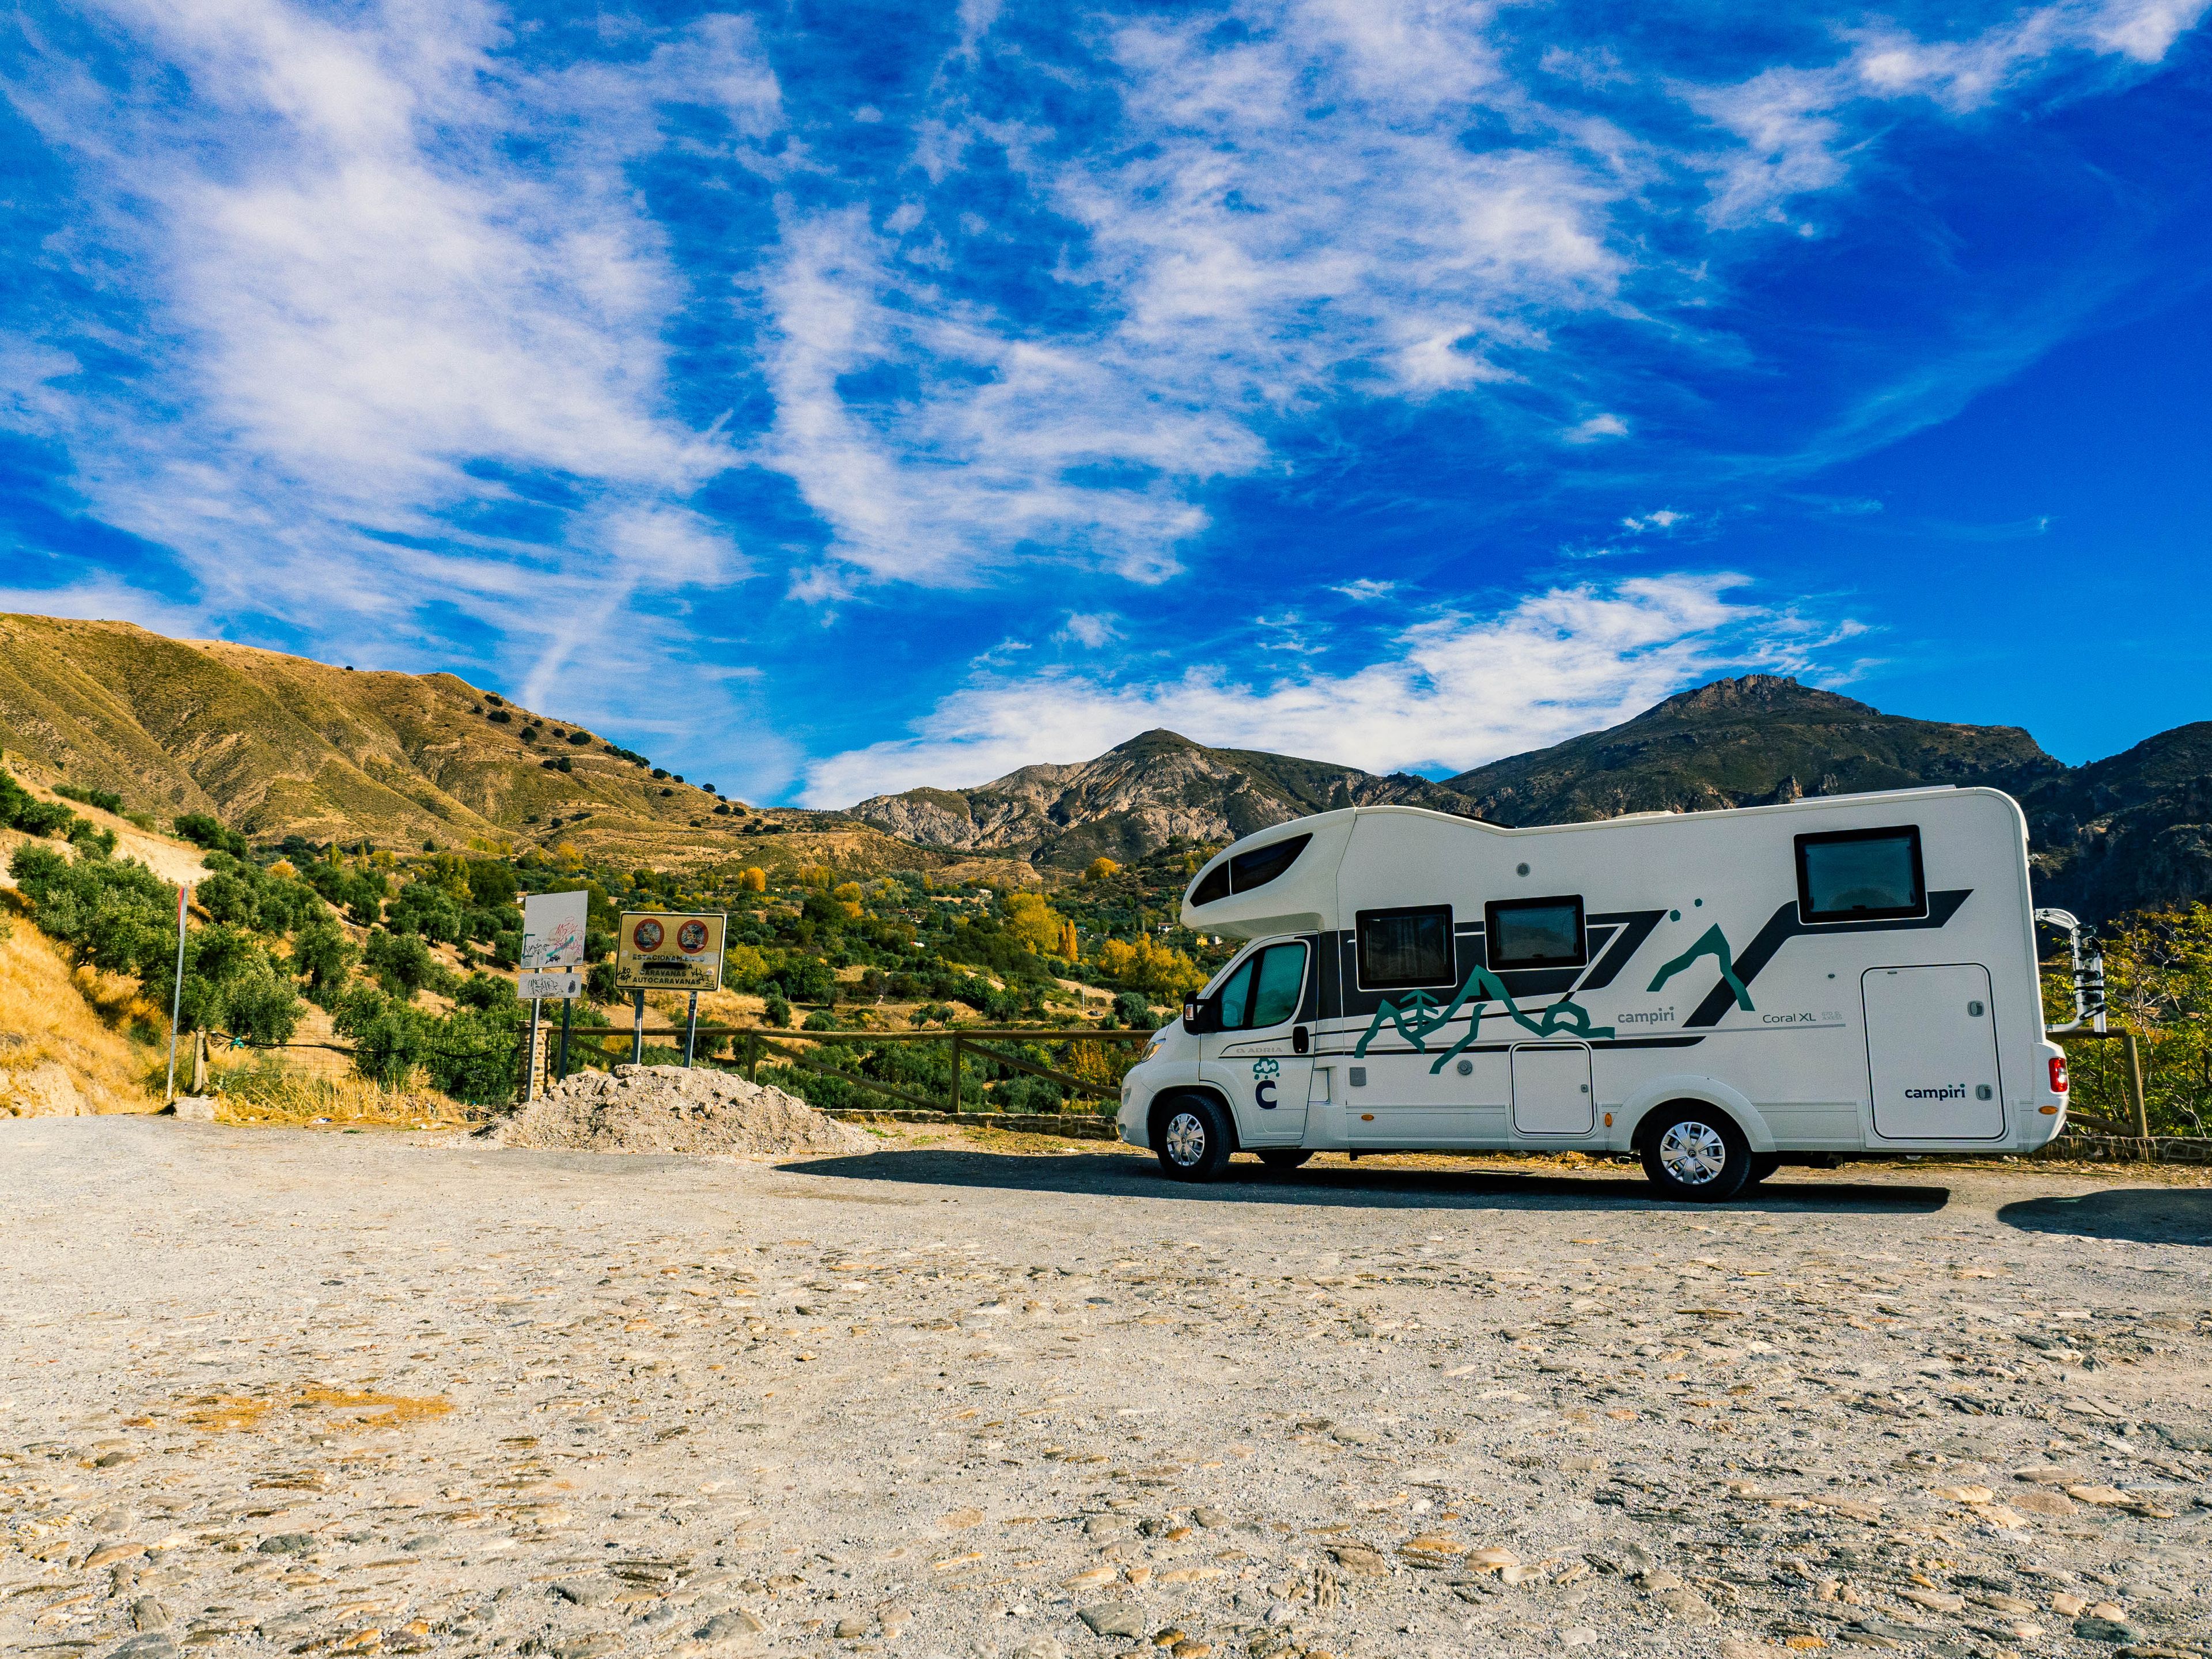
{"x":277,"y":745}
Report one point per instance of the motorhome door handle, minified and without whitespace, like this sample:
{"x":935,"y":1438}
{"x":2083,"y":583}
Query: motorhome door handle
{"x":1299,"y":1040}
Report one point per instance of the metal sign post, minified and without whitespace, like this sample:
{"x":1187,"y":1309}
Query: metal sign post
{"x":553,"y":928}
{"x":669,"y":951}
{"x":530,"y":1080}
{"x":177,"y":996}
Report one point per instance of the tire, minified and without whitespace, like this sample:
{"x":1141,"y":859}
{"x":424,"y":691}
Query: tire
{"x":1762,"y":1164}
{"x":1285,"y":1157}
{"x":1695,"y":1153}
{"x":1194,"y":1138}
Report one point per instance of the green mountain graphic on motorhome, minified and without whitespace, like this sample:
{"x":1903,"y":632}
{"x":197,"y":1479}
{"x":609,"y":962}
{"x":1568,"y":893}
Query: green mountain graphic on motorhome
{"x":1711,"y":943}
{"x":1421,"y":1018}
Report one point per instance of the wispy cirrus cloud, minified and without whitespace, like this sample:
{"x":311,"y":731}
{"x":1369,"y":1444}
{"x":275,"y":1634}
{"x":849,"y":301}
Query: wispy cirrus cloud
{"x":432,"y":329}
{"x":1450,"y":690}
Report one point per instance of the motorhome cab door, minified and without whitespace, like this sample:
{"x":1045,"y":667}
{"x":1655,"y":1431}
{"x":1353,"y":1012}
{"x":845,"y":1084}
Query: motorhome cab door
{"x":1932,"y":1054}
{"x":1256,"y":1060}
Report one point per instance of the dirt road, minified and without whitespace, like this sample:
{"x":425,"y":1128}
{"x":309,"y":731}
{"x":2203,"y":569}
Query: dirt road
{"x":270,"y":1392}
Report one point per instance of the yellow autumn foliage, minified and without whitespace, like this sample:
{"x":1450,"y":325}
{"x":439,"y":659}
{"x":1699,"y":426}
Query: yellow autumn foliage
{"x":1144,"y":965}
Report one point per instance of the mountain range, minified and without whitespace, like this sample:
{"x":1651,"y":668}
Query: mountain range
{"x":281,"y":746}
{"x":2116,"y":835}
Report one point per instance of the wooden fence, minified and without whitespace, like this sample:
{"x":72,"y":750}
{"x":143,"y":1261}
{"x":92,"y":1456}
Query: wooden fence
{"x":751,"y":1044}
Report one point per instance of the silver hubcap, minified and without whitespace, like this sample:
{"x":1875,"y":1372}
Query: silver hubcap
{"x":1693,"y":1153}
{"x":1186,"y":1138}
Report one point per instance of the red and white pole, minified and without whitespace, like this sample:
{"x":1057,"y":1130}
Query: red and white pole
{"x":177,"y":995}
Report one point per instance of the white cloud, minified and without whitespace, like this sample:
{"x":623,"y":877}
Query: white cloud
{"x":1598,"y":426}
{"x":1091,"y":628}
{"x":1789,"y":121}
{"x":1664,"y":518}
{"x":1365,"y":590}
{"x":1456,"y":690}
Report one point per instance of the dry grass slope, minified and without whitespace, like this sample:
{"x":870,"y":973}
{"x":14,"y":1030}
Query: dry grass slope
{"x":67,"y":1047}
{"x":276,"y":745}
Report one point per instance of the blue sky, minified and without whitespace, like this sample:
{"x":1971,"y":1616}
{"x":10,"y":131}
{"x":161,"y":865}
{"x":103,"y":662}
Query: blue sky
{"x":830,"y":398}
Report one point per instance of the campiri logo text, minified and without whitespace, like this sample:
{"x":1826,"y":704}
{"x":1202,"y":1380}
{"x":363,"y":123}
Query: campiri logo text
{"x":1948,"y":1092}
{"x":1656,"y":1017}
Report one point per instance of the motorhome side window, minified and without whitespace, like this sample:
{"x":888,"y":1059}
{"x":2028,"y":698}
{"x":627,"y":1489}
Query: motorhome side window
{"x":1544,"y":933}
{"x":1264,"y":988}
{"x":1402,"y":948}
{"x":1860,"y":875}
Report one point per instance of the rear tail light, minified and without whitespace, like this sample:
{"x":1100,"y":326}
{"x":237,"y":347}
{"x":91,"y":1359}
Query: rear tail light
{"x":2058,"y":1074}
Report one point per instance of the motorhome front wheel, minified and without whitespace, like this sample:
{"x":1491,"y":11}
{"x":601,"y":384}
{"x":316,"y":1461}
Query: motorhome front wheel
{"x":1697,"y":1154}
{"x":1194,"y":1139}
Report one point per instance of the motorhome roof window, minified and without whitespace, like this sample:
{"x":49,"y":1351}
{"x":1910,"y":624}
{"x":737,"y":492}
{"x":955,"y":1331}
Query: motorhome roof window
{"x":1860,"y":875}
{"x":1405,"y":947}
{"x":1264,"y":990}
{"x":1263,"y":864}
{"x":1542,"y":932}
{"x":1247,"y":871}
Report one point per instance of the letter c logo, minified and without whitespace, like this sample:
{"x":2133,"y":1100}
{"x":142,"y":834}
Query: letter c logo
{"x":1264,"y":1092}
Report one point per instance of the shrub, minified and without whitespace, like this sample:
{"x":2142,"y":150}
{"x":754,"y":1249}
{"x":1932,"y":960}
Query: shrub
{"x":402,"y":964}
{"x":213,"y":834}
{"x":106,"y":799}
{"x":778,"y":1012}
{"x":20,"y":810}
{"x":1134,"y":1011}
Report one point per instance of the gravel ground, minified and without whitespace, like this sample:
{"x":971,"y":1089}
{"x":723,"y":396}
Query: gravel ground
{"x":277,"y":1392}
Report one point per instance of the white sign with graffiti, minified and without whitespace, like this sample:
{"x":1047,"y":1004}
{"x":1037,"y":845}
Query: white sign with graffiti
{"x":553,"y":930}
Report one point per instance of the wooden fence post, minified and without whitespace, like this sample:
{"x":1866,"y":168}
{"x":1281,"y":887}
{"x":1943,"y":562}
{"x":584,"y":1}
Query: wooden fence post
{"x":955,"y":1105}
{"x":2138,"y":1108}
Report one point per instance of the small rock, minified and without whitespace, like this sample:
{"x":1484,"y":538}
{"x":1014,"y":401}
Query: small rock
{"x":154,"y":1644}
{"x":846,"y":1629}
{"x":587,"y":1647}
{"x":1583,"y":1636}
{"x":1934,"y":1601}
{"x":1687,"y":1605}
{"x":729,"y":1626}
{"x":1038,"y":1647}
{"x":288,"y":1543}
{"x":1113,"y":1618}
{"x":1352,"y":1434}
{"x":149,"y":1614}
{"x":1207,"y":1515}
{"x":2096,"y":1627}
{"x":1359,"y":1560}
{"x":194,"y":1108}
{"x":104,"y":1553}
{"x":585,"y":1592}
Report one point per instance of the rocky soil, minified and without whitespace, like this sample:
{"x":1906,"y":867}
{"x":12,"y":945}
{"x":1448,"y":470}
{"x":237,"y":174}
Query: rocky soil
{"x":284,"y":1393}
{"x":675,"y":1109}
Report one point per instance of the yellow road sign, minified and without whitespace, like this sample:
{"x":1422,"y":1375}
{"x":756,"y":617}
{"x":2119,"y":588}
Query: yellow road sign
{"x":669,"y":951}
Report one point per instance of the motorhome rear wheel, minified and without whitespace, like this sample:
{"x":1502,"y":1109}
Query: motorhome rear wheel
{"x":1697,"y":1153}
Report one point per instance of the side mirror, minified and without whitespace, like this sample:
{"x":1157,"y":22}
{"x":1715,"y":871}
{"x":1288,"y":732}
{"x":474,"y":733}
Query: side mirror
{"x":1300,"y":1041}
{"x":1200,"y":1015}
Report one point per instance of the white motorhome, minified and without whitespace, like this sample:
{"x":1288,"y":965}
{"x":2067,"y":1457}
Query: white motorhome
{"x":1720,"y":993}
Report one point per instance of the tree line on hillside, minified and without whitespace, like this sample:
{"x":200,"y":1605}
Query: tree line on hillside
{"x":352,"y":929}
